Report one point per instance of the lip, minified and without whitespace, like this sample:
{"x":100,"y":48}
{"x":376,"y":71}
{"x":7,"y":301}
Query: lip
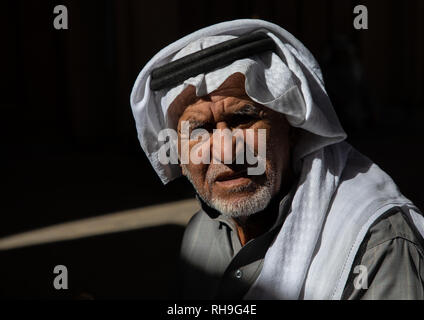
{"x":231,"y":179}
{"x":234,"y":182}
{"x":228,"y":176}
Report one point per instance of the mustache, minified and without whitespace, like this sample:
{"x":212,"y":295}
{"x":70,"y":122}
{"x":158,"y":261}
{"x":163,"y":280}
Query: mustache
{"x":217,"y":170}
{"x":214,"y":171}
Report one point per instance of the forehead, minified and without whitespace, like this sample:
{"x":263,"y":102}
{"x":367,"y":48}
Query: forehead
{"x":230,"y":93}
{"x":217,"y":106}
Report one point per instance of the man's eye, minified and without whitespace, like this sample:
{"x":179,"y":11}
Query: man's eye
{"x":242,"y":119}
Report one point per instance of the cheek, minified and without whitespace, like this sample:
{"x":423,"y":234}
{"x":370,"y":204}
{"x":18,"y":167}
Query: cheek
{"x":197,"y":173}
{"x":273,"y":141}
{"x":200,"y":151}
{"x":278,"y":150}
{"x":279,"y":145}
{"x":257,"y":138}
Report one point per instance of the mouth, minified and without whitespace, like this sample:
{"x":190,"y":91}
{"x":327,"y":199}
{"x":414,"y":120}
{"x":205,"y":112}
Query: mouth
{"x":233,"y":179}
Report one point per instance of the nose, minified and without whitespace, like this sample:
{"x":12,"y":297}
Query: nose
{"x":224,"y":144}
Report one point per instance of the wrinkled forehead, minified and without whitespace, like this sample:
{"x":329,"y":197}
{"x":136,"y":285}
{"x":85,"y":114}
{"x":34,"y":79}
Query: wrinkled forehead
{"x":232,"y":86}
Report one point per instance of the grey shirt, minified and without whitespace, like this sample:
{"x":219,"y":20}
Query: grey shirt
{"x":214,"y":265}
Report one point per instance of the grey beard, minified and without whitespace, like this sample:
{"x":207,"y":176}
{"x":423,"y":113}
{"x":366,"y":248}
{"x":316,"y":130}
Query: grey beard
{"x":240,"y":207}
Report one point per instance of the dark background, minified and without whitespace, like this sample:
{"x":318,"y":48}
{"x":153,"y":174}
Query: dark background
{"x":69,"y":144}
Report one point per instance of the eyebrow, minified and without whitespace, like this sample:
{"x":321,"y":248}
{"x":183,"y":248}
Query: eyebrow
{"x":247,"y":109}
{"x":193,"y":123}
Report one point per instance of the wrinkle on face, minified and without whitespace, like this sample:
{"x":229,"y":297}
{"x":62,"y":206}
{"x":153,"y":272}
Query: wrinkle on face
{"x":229,"y":107}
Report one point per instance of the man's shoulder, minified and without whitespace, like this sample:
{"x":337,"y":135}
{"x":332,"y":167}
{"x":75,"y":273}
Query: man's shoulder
{"x":394,"y":224}
{"x":392,"y":253}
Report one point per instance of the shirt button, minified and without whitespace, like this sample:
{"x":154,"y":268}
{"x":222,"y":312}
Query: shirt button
{"x":239,"y":274}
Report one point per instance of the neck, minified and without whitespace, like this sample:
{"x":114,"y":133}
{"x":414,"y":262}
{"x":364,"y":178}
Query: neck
{"x":255,"y":225}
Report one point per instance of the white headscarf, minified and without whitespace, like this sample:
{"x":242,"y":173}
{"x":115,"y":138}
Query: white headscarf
{"x":340,"y":192}
{"x":289,"y":81}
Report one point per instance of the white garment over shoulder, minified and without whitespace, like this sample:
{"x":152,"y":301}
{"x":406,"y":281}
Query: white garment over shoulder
{"x":340,"y":195}
{"x":340,"y":192}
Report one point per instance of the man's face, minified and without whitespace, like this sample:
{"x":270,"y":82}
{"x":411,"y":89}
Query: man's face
{"x":229,"y":188}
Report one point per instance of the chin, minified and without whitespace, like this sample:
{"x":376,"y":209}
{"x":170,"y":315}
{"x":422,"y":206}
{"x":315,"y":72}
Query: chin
{"x":243,"y":205}
{"x":241,"y":198}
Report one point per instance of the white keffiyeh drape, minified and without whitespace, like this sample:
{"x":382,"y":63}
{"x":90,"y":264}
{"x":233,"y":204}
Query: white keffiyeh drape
{"x":340,"y":192}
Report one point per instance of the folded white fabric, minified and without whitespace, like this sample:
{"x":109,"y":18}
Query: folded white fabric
{"x":288,"y":81}
{"x":340,"y":192}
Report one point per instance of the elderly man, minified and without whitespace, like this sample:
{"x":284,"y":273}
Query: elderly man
{"x":310,"y":217}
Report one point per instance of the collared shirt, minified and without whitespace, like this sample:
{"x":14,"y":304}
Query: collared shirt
{"x":216,"y":266}
{"x":214,"y":263}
